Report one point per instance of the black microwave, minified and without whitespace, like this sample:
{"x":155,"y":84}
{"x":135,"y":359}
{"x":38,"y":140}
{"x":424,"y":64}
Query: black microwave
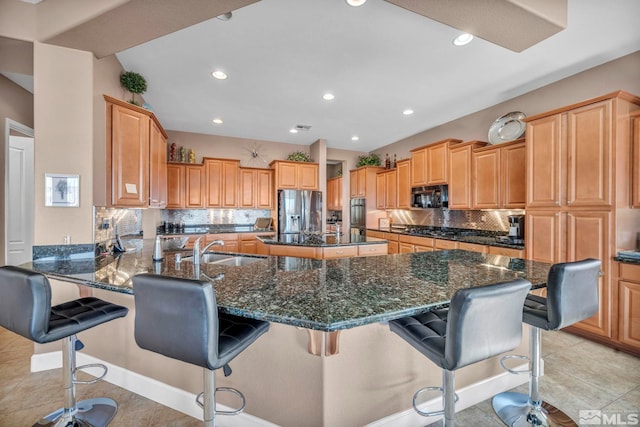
{"x":434,"y":196}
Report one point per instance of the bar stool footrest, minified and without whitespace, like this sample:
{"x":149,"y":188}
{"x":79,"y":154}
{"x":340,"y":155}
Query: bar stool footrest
{"x":503,"y":359}
{"x":97,"y":412}
{"x":200,"y":401}
{"x":90,"y":365}
{"x":431,"y":413}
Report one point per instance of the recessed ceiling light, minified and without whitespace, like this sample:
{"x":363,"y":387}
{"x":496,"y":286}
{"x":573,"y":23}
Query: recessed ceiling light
{"x":408,"y":112}
{"x":463,"y":39}
{"x":225,"y":16}
{"x":355,"y":138}
{"x":220,"y":75}
{"x":356,"y":3}
{"x":293,"y":130}
{"x":328,"y":96}
{"x":217,"y":121}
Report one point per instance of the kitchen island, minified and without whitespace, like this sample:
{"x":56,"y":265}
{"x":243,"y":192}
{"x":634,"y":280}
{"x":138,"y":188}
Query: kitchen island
{"x":365,"y":375}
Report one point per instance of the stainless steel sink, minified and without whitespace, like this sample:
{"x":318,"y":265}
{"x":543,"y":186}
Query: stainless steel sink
{"x":225,"y":259}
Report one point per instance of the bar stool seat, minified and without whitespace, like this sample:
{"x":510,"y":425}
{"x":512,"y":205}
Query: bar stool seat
{"x":25,"y":308}
{"x":480,"y":323}
{"x":572,"y":296}
{"x":179,"y":318}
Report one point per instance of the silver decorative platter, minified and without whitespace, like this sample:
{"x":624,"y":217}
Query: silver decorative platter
{"x":507,"y":128}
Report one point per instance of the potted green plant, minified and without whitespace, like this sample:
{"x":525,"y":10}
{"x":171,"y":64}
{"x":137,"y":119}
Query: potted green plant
{"x":299,"y":156}
{"x":134,"y":83}
{"x":371,"y":160}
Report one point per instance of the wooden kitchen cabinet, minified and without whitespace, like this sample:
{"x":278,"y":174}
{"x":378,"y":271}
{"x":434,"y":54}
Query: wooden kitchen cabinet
{"x":231,"y":242}
{"x":185,"y":186}
{"x":408,"y":244}
{"x":460,"y":174}
{"x":474,"y":247}
{"x":295,"y":175}
{"x":334,"y":194}
{"x":499,"y":176}
{"x":430,"y":163}
{"x":403,"y":183}
{"x":222,"y":182}
{"x":386,"y":187}
{"x":629,"y":306}
{"x":362,"y":182}
{"x":510,"y":252}
{"x":136,"y":157}
{"x":256,"y":188}
{"x":635,"y":185}
{"x":175,"y":186}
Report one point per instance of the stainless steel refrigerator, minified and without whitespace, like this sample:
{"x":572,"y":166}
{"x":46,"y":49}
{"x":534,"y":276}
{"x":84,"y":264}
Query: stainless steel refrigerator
{"x":358,"y":214}
{"x":299,"y":211}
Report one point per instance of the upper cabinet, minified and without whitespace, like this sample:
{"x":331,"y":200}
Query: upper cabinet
{"x":403,"y":181}
{"x":636,"y":160}
{"x":334,"y":194}
{"x":221,"y":183}
{"x":185,"y":186}
{"x":295,"y":175}
{"x":256,"y":188}
{"x":460,"y":173}
{"x":362,"y":182}
{"x":136,"y":156}
{"x":386,"y":189}
{"x":430,"y":163}
{"x":499,"y":176}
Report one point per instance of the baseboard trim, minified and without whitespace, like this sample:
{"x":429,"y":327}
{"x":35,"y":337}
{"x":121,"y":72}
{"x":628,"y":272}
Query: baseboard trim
{"x":468,"y":396}
{"x":149,"y":388}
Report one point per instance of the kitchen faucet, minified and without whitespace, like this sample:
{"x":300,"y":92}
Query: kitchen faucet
{"x":197,"y":253}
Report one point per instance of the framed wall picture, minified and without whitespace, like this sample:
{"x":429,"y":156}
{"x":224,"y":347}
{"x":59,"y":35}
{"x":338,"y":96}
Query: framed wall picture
{"x":62,"y":190}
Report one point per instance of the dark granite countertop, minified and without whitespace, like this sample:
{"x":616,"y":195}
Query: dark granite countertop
{"x":324,"y":295}
{"x":480,"y":237}
{"x":322,"y":240}
{"x":214,"y":228}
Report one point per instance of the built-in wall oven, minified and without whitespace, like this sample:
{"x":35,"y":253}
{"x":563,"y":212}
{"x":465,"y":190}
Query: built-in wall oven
{"x":435,"y":196}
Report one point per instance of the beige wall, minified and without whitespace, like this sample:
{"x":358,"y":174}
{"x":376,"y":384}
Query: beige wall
{"x":609,"y":77}
{"x":63,"y":116}
{"x":15,"y":104}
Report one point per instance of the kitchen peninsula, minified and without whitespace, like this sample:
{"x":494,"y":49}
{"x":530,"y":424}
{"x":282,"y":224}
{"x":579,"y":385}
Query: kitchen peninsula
{"x":361,"y":382}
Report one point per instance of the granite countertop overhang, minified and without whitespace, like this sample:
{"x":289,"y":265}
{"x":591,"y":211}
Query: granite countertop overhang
{"x":480,"y":237}
{"x":325,"y":295}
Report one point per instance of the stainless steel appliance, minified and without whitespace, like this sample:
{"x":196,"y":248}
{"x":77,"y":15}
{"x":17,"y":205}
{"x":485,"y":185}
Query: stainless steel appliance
{"x":358,"y":215}
{"x":299,"y":211}
{"x":516,"y":227}
{"x":435,"y":196}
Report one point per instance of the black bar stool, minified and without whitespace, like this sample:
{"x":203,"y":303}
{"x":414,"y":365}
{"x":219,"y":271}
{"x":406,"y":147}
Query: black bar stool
{"x":572,"y":296}
{"x":25,"y":308}
{"x":480,"y":323}
{"x":179,"y":318}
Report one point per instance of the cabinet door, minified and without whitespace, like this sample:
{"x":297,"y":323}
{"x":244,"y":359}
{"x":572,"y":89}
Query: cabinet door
{"x":390,"y":190}
{"x":353,"y":183}
{"x":213,"y":171}
{"x":460,"y":178}
{"x":589,"y":148}
{"x":130,"y":157}
{"x":230,"y":171}
{"x":338,"y":194}
{"x":403,"y":177}
{"x":194,"y":185}
{"x":380,"y":191}
{"x":157,"y":167}
{"x":437,"y":164}
{"x":512,"y":174}
{"x":544,"y":158}
{"x":629,"y":313}
{"x":405,"y":248}
{"x":307,"y":176}
{"x":330,"y":195}
{"x":361,"y":183}
{"x":287,"y":175}
{"x":264,"y":189}
{"x":588,"y":237}
{"x":635,"y":165}
{"x":249,"y":246}
{"x":544,"y":231}
{"x":419,"y":168}
{"x":175,"y":186}
{"x":486,"y":179}
{"x":247,"y":188}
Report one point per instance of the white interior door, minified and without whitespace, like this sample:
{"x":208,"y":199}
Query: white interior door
{"x":19,"y":200}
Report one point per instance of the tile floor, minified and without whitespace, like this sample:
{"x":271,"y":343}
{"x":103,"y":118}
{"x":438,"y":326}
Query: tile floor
{"x":579,"y":375}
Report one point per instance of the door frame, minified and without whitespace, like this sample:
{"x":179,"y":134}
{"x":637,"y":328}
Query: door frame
{"x":10,"y":125}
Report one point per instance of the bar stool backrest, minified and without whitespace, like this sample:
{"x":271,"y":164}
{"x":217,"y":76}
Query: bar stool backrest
{"x":572,"y":292}
{"x":177,"y":318}
{"x":484,"y":322}
{"x":25,"y":303}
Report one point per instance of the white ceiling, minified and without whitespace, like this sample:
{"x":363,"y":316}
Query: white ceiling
{"x":378,"y":59}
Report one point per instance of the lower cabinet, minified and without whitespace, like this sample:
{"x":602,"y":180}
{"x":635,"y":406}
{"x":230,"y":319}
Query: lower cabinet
{"x":629,"y":307}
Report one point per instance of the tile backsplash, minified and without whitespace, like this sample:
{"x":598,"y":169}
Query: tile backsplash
{"x":214,"y":216}
{"x":125,"y":221}
{"x":491,"y":220}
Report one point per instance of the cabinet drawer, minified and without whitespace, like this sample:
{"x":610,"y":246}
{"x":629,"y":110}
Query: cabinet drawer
{"x":514,"y":253}
{"x":378,"y":249}
{"x":221,"y":236}
{"x":630,"y":272}
{"x":391,"y":237}
{"x":378,"y":234}
{"x":474,"y":247}
{"x":445,"y":244}
{"x":420,"y":248}
{"x":339,"y":252}
{"x":415,"y":240}
{"x":294,"y":251}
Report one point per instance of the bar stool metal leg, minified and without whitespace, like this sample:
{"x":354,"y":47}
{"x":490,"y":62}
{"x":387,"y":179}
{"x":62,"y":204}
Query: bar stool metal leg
{"x":449,"y":395}
{"x":520,"y":410}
